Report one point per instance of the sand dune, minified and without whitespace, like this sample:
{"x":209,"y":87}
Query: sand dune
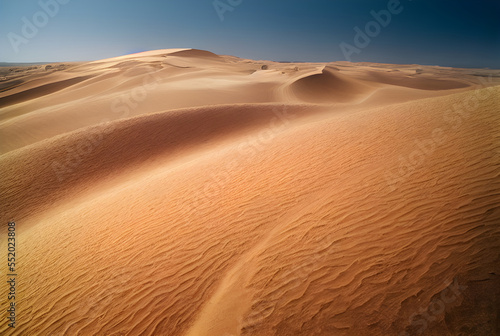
{"x":179,"y":192}
{"x":329,"y":86}
{"x":416,"y":81}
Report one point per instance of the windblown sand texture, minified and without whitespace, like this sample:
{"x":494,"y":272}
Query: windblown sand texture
{"x":179,"y":192}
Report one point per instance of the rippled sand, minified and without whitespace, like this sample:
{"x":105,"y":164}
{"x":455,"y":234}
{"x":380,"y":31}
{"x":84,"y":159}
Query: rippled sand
{"x":179,"y":192}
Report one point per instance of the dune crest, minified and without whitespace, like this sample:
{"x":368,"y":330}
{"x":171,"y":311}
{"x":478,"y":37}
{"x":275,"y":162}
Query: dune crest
{"x":330,"y":86}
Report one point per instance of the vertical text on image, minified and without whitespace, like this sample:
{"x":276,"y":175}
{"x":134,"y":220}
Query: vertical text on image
{"x":11,"y":274}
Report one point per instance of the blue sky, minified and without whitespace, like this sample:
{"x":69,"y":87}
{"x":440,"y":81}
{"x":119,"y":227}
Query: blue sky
{"x":447,"y":33}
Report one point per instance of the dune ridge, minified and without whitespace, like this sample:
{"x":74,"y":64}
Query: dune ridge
{"x":328,"y":87}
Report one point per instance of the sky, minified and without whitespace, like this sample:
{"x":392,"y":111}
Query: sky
{"x":428,"y":32}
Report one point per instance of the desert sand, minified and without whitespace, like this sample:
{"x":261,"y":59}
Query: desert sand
{"x":180,"y":192}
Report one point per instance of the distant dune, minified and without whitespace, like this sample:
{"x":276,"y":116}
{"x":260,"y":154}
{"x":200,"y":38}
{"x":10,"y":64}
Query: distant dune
{"x":180,"y":192}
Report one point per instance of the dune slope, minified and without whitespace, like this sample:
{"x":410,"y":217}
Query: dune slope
{"x":237,"y":216}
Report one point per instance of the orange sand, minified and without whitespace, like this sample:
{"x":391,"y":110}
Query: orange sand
{"x":179,"y":192}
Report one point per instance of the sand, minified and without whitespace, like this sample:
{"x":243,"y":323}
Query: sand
{"x":180,"y":192}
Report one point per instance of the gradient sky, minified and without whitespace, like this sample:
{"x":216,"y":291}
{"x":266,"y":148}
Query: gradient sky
{"x":433,"y":32}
